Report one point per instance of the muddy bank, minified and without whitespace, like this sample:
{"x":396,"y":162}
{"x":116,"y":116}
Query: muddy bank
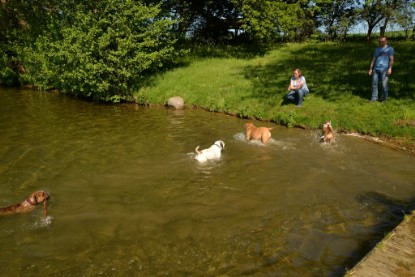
{"x":387,"y":142}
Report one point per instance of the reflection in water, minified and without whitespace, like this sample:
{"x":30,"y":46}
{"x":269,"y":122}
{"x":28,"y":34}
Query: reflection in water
{"x":128,"y":197}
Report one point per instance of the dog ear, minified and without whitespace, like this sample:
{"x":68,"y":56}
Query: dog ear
{"x":33,"y":198}
{"x":222,"y":144}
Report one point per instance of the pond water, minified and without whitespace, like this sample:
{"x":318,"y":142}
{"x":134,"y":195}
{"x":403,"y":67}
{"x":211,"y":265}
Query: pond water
{"x":128,"y":197}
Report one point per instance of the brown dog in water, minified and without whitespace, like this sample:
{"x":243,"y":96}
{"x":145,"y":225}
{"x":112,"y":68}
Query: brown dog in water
{"x":328,"y":133}
{"x":28,"y":205}
{"x":257,"y":133}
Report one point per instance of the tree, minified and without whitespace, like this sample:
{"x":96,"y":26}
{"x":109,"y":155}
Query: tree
{"x":203,"y":20}
{"x":258,"y":19}
{"x":371,"y":12}
{"x":336,"y":17}
{"x":375,"y":12}
{"x":265,"y":20}
{"x":20,"y":23}
{"x":104,"y":54}
{"x":403,"y":15}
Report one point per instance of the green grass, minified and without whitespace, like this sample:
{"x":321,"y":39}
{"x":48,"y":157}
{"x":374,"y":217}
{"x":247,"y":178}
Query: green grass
{"x":253,"y":86}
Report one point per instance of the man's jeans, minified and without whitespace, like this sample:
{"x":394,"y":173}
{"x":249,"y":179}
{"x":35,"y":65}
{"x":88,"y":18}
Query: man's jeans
{"x":375,"y":81}
{"x":297,"y":95}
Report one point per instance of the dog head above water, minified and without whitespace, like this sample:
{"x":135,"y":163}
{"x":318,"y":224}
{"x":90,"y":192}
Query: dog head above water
{"x":38,"y":197}
{"x":328,"y":133}
{"x":28,"y":205}
{"x":248,"y":125}
{"x":220,"y":144}
{"x":327,"y":125}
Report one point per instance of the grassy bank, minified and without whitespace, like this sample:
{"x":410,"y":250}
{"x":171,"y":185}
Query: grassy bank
{"x":254,"y":86}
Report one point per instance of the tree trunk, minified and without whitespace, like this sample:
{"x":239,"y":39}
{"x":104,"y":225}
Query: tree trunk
{"x":383,"y":28}
{"x":369,"y":32}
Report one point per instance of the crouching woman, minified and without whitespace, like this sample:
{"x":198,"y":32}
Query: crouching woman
{"x":297,"y":88}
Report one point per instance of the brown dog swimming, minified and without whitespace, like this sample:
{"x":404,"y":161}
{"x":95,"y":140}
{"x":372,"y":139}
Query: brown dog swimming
{"x":257,"y":133}
{"x":28,"y":205}
{"x":328,"y":133}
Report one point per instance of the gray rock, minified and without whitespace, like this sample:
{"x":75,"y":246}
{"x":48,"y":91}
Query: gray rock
{"x":177,"y":102}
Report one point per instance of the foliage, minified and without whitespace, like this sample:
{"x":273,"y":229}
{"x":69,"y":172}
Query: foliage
{"x":258,"y":19}
{"x":262,"y":21}
{"x":375,"y":12}
{"x":9,"y":21}
{"x":287,"y":119}
{"x":104,"y":54}
{"x":404,"y":17}
{"x":8,"y":77}
{"x":299,"y":19}
{"x":337,"y":17}
{"x":265,"y":20}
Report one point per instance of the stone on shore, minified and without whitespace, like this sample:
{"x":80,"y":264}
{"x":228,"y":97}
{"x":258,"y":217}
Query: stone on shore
{"x":176,"y":102}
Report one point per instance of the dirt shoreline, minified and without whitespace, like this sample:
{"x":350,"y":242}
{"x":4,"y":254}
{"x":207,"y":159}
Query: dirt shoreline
{"x":387,"y":142}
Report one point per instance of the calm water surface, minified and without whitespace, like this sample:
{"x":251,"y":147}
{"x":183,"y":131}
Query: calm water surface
{"x":128,"y":198}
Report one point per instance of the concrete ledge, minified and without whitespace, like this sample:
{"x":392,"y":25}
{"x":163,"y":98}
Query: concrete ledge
{"x":393,"y":256}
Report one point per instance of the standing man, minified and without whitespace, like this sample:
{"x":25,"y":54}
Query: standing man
{"x":381,"y":68}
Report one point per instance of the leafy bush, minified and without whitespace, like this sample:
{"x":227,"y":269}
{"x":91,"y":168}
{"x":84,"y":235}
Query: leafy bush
{"x":288,"y":119}
{"x":8,"y":76}
{"x":104,"y":54}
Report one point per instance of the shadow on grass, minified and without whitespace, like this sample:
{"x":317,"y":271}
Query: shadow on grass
{"x":240,"y":51}
{"x":391,"y":212}
{"x":333,"y":70}
{"x":189,"y":52}
{"x":266,"y":81}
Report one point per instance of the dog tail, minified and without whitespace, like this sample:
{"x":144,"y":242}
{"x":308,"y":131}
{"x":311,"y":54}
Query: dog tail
{"x":197,"y":150}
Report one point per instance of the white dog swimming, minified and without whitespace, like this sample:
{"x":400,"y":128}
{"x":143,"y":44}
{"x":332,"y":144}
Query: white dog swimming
{"x":211,"y":153}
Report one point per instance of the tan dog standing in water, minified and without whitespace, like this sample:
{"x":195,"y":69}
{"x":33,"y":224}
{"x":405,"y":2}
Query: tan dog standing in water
{"x":328,"y":133}
{"x":257,"y":133}
{"x":28,"y":205}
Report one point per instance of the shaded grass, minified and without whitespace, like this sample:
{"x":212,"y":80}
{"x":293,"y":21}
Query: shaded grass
{"x":336,"y":74}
